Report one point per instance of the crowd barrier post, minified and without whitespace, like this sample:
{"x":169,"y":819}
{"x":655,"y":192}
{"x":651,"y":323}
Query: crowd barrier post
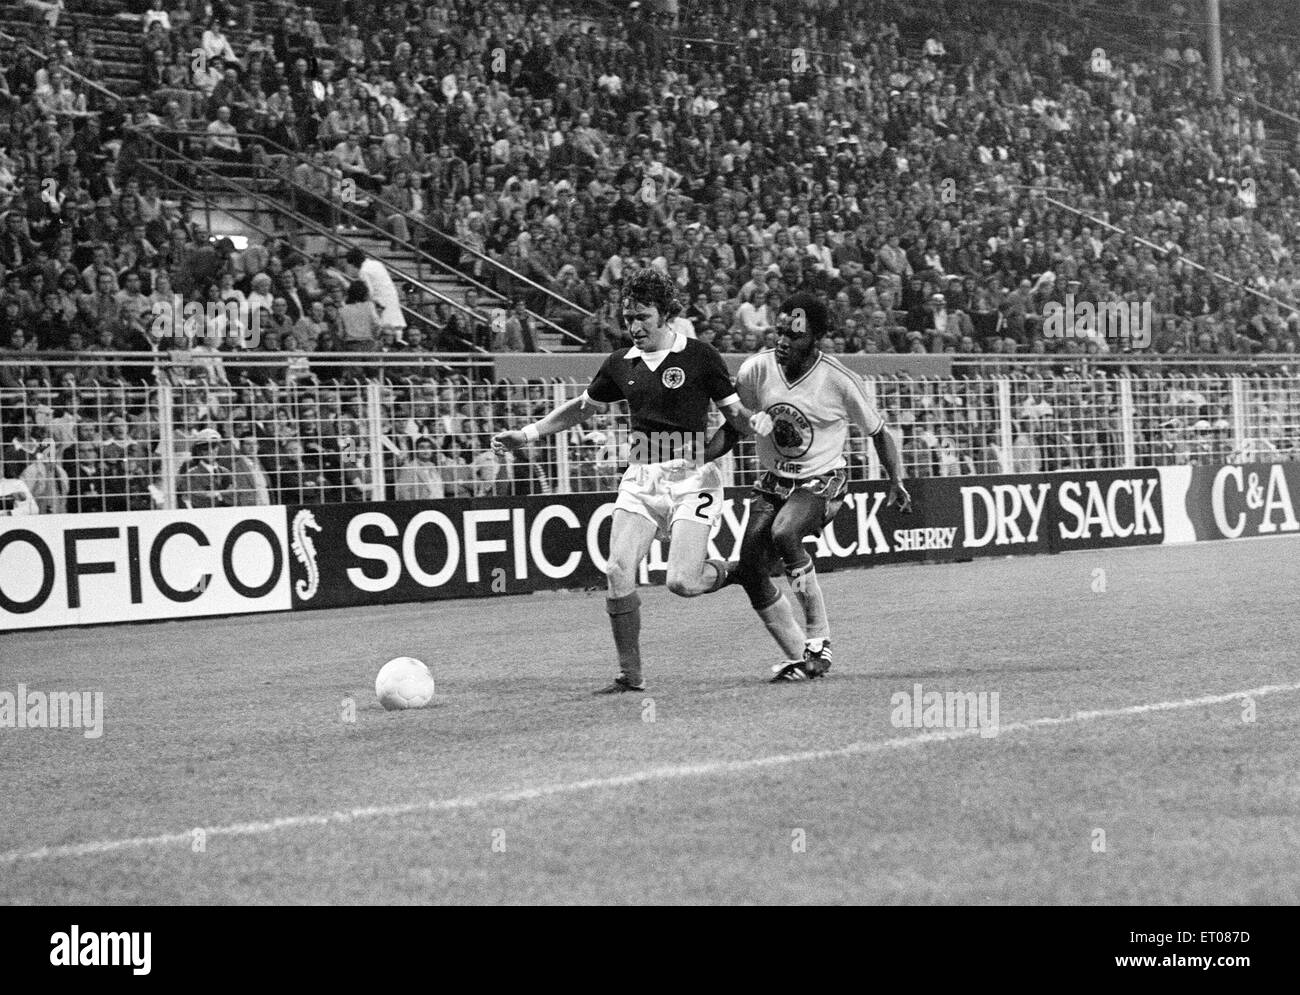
{"x":1238,"y":394}
{"x":1005,"y":435}
{"x":1127,"y":434}
{"x":560,"y":395}
{"x":167,"y":446}
{"x":375,"y":436}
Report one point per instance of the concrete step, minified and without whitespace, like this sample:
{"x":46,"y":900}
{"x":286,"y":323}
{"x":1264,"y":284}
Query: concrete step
{"x":227,"y":213}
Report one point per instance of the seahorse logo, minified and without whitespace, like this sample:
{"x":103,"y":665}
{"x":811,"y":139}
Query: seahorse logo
{"x":304,"y":551}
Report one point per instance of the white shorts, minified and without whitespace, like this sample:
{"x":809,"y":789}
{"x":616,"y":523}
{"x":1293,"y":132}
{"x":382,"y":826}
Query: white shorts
{"x":665,"y":494}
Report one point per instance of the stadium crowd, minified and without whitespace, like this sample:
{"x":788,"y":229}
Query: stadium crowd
{"x":907,"y":184}
{"x":909,"y":163}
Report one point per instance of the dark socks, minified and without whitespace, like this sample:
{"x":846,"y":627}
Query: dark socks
{"x":757,"y":584}
{"x":625,"y":620}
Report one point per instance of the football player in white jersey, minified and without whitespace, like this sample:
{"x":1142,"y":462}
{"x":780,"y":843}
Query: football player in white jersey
{"x":803,"y":401}
{"x":670,"y":489}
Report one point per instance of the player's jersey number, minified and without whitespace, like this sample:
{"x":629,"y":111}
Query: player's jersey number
{"x":706,"y":502}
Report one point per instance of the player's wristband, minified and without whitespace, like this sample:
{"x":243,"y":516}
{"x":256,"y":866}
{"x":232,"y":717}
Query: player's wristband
{"x":531,"y":433}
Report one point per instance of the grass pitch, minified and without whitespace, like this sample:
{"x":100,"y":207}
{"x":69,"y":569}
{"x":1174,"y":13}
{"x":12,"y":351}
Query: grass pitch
{"x":712,"y":786}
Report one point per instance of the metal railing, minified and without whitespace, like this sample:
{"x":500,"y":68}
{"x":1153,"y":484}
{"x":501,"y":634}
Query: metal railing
{"x":451,"y":239}
{"x":343,"y":208}
{"x":304,"y":222}
{"x":408,"y":312}
{"x":1163,"y":251}
{"x":308,"y":428}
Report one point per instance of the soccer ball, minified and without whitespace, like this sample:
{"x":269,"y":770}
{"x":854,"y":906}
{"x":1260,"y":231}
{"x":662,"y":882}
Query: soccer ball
{"x":404,"y":683}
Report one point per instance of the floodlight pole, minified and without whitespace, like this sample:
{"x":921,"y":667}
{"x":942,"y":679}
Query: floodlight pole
{"x":1215,"y":38}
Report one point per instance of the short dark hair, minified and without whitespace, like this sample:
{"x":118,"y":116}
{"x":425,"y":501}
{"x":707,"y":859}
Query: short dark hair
{"x":814,"y":310}
{"x":354,"y":257}
{"x":649,"y":286}
{"x":358,"y":292}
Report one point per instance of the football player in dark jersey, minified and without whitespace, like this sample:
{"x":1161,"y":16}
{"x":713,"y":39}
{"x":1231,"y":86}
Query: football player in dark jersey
{"x":669,"y":489}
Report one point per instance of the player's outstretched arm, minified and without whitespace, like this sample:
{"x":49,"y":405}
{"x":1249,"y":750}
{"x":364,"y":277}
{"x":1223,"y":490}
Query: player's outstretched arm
{"x":746,"y":422}
{"x":887,"y":449}
{"x":568,"y":414}
{"x":740,"y":422}
{"x":721,"y":442}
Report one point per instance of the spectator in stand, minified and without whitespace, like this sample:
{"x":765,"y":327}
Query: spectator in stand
{"x":380,"y":286}
{"x":250,"y":483}
{"x":156,"y":14}
{"x":86,"y":484}
{"x":215,"y":45}
{"x":420,"y":478}
{"x":358,"y":319}
{"x":223,"y":138}
{"x":202,"y":480}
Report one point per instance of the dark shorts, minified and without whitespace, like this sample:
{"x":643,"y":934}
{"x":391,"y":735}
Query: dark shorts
{"x":830,"y":487}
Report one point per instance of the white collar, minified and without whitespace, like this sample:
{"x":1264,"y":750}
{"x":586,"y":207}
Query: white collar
{"x":679,"y":344}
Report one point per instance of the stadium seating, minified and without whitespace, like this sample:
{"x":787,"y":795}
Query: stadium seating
{"x":943,"y":187}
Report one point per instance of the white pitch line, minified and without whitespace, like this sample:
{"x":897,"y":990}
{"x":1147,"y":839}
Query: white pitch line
{"x":623,"y":780}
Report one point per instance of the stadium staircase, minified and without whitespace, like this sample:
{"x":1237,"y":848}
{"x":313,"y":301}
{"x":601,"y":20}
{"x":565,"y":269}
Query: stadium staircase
{"x":247,"y":199}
